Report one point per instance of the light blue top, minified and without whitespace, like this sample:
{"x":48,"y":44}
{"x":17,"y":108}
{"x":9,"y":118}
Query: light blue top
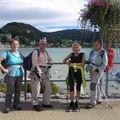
{"x":14,"y":62}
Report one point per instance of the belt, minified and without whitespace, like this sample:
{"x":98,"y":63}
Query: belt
{"x":43,"y":66}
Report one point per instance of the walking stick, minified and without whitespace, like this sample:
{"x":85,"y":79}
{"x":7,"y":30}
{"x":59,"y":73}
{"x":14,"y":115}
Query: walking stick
{"x":102,"y":91}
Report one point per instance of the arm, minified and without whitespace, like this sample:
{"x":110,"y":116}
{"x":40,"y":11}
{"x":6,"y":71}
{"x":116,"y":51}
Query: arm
{"x":50,"y":61}
{"x":66,"y":60}
{"x":2,"y":57}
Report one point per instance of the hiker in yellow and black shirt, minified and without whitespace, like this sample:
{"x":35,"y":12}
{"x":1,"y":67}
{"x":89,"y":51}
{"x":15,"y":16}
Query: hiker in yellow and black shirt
{"x":75,"y":61}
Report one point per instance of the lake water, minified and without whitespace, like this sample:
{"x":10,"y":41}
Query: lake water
{"x":59,"y":72}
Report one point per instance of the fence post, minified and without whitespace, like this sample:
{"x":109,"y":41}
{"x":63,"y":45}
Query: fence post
{"x":25,"y":85}
{"x":106,"y":84}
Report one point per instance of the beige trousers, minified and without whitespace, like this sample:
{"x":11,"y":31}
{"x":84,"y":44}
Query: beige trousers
{"x":36,"y":87}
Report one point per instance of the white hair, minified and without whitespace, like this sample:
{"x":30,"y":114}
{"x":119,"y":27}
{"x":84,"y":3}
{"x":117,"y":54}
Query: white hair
{"x":43,"y":40}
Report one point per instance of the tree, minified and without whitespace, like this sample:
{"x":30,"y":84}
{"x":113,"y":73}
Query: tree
{"x":105,"y":14}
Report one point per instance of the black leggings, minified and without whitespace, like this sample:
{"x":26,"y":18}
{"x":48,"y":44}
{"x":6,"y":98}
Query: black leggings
{"x":75,"y":77}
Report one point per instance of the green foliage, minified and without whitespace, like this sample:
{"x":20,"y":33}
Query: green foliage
{"x":3,"y":87}
{"x":106,"y":15}
{"x":55,"y":88}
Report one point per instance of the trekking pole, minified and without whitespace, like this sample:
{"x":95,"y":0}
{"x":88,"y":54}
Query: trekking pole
{"x":102,"y":91}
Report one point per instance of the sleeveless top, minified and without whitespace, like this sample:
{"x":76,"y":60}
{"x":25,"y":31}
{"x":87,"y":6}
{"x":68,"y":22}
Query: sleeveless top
{"x":76,"y":59}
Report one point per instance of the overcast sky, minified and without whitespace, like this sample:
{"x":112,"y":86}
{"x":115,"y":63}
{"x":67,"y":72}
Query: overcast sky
{"x":46,"y":15}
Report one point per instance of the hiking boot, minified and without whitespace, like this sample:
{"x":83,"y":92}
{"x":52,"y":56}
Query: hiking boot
{"x":47,"y":106}
{"x":76,"y":107}
{"x":71,"y":107}
{"x":17,"y":107}
{"x":99,"y":102}
{"x":6,"y":110}
{"x":37,"y":107}
{"x":89,"y":106}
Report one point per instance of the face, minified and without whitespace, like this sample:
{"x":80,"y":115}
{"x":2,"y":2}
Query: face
{"x":96,"y":45}
{"x":76,"y":48}
{"x":43,"y":45}
{"x":15,"y":45}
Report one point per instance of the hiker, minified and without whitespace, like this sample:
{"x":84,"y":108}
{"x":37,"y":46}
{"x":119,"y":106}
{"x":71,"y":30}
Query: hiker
{"x":40,"y":75}
{"x":97,"y":62}
{"x":75,"y":61}
{"x":13,"y":74}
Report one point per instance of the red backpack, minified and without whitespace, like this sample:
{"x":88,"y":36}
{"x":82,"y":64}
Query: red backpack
{"x":110,"y":53}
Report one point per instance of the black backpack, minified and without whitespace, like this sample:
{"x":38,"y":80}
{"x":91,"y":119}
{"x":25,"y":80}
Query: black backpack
{"x":27,"y":61}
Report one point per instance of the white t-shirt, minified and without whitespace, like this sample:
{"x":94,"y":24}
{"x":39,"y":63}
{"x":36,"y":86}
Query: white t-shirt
{"x":94,"y":59}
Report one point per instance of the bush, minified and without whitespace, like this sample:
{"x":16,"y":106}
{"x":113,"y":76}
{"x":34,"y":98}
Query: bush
{"x":55,"y":88}
{"x":3,"y":87}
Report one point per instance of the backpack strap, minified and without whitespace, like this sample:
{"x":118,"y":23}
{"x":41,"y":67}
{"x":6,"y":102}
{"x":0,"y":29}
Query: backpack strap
{"x":38,"y":51}
{"x":102,"y":53}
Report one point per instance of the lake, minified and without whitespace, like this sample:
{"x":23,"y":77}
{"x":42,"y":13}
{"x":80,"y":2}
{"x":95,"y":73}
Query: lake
{"x":59,"y":72}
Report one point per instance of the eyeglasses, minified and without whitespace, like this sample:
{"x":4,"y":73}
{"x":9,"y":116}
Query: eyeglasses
{"x":43,"y":43}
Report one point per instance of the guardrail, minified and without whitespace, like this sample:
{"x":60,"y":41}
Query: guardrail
{"x":59,"y":63}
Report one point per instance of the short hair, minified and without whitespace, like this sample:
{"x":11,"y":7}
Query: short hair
{"x":43,"y":39}
{"x":76,"y":44}
{"x":100,"y":41}
{"x":16,"y":38}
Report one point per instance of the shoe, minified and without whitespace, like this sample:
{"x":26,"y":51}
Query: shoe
{"x":90,"y":106}
{"x":99,"y":102}
{"x":71,"y":107}
{"x":47,"y":106}
{"x":76,"y":107}
{"x":6,"y":110}
{"x":17,"y":107}
{"x":37,"y":107}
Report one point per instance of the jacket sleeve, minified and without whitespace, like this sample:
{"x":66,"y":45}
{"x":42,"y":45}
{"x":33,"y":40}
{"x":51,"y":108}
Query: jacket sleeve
{"x":104,"y":62}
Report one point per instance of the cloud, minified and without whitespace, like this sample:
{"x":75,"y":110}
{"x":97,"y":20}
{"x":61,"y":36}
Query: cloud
{"x":41,"y":13}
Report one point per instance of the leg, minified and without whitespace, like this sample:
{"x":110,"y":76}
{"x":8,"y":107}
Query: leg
{"x":71,"y":83}
{"x":79,"y":82}
{"x":47,"y":85}
{"x":94,"y":89}
{"x":35,"y":90}
{"x":99,"y":95}
{"x":10,"y":82}
{"x":18,"y":84}
{"x":78,"y":89}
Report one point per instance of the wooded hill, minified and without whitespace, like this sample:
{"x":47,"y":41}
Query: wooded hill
{"x":27,"y":34}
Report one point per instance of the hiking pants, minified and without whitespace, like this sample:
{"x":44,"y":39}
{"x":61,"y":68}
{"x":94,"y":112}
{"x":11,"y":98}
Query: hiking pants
{"x":13,"y":86}
{"x":75,"y":77}
{"x":96,"y":82}
{"x":36,"y":87}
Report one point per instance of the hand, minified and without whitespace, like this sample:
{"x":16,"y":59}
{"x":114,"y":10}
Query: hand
{"x":70,"y":64}
{"x":4,"y":71}
{"x":49,"y":65}
{"x":95,"y":73}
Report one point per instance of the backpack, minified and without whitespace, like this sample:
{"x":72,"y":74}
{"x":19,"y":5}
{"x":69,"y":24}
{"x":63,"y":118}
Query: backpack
{"x":27,"y":61}
{"x":110,"y":54}
{"x":4,"y":63}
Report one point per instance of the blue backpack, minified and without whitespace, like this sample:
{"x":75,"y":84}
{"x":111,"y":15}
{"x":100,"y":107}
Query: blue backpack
{"x":27,"y":61}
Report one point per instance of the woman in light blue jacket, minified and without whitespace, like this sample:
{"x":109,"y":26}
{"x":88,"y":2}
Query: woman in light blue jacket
{"x":97,"y":62}
{"x":13,"y":74}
